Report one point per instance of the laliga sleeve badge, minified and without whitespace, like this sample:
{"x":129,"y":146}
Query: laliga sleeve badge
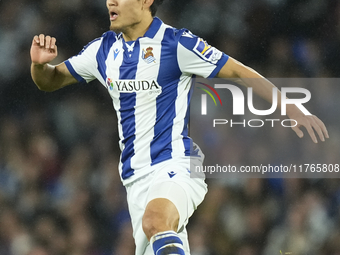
{"x":207,"y":52}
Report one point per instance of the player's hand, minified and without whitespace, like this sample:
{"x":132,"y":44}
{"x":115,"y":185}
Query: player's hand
{"x":310,"y":122}
{"x":43,"y":49}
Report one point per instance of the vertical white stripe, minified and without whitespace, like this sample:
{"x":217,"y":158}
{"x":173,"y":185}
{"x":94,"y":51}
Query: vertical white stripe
{"x":113,"y":73}
{"x":146,"y":110}
{"x":178,"y":149}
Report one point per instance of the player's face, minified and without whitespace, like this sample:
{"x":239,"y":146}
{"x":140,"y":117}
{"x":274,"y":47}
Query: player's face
{"x":124,"y":14}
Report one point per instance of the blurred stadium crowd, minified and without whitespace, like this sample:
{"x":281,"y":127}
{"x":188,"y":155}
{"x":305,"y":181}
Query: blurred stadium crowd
{"x":60,"y":191}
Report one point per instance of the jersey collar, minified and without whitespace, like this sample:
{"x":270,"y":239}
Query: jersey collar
{"x":154,"y":27}
{"x":152,"y":31}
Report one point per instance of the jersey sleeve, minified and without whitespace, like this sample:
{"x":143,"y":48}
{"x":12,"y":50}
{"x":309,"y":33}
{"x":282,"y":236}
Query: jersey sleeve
{"x":83,"y":66}
{"x":196,"y":56}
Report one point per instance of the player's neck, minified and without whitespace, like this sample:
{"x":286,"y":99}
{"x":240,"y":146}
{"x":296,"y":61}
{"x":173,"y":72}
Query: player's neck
{"x":135,"y":31}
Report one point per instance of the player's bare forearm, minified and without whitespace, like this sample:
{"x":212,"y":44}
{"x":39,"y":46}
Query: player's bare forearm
{"x":248,"y":77}
{"x":48,"y":77}
{"x":264,"y":88}
{"x":43,"y":75}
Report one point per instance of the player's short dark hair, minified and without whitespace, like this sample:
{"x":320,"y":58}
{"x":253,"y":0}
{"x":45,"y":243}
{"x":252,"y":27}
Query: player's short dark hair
{"x":154,"y":6}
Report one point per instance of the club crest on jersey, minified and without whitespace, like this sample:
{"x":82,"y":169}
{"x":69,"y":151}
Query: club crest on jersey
{"x":147,"y":55}
{"x":207,"y":52}
{"x":109,"y":83}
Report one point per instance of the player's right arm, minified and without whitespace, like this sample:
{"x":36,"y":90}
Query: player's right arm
{"x":48,"y":77}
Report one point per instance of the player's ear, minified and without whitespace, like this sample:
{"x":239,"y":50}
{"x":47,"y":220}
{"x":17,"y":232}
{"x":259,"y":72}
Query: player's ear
{"x":147,"y":3}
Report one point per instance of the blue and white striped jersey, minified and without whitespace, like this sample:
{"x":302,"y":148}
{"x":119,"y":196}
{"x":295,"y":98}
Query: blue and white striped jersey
{"x":149,"y":81}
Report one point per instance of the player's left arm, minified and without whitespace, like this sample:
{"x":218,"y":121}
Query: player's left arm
{"x":261,"y":86}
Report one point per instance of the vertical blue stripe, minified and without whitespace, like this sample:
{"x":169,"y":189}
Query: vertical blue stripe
{"x":168,"y":79}
{"x":127,"y":113}
{"x":108,"y":39}
{"x":128,"y":71}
